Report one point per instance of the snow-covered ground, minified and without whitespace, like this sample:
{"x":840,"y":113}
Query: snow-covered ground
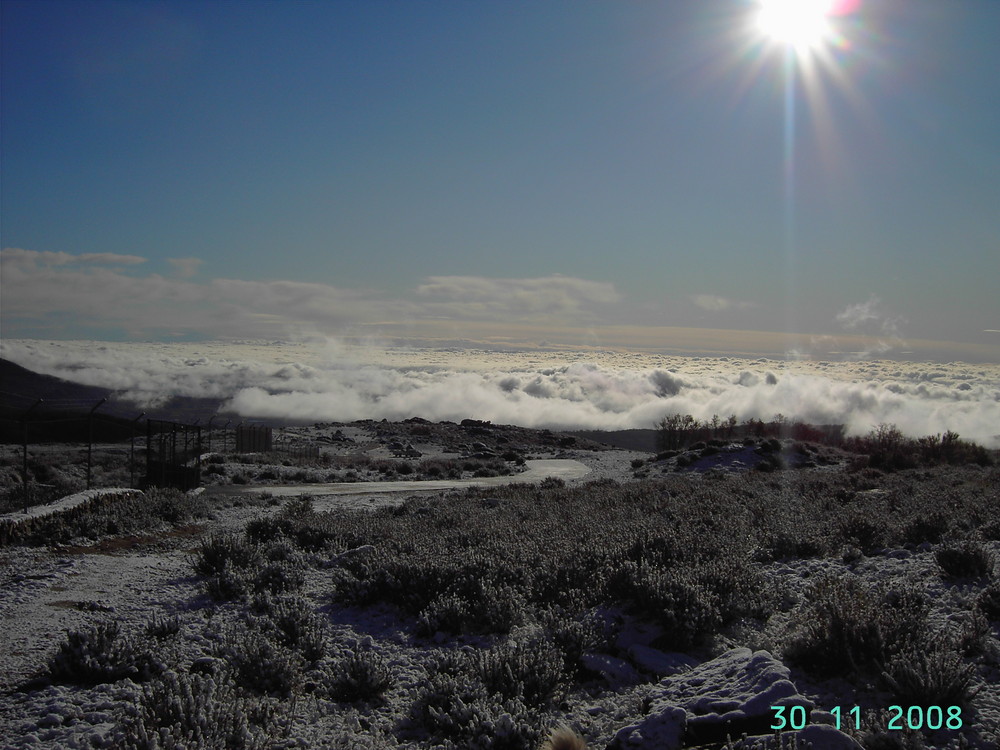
{"x":44,"y":593}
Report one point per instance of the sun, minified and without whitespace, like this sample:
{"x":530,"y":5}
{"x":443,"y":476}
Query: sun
{"x":800,"y":24}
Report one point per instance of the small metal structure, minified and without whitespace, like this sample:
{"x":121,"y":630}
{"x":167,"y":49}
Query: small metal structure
{"x":252,"y":438}
{"x":173,"y":455}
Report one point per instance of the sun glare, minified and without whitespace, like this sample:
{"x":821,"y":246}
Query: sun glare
{"x":801,"y":24}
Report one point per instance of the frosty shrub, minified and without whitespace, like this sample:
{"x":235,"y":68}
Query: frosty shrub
{"x":968,"y":559}
{"x":573,"y":636}
{"x":280,"y":577}
{"x":989,"y":601}
{"x":456,"y":709}
{"x":864,"y":529}
{"x":228,"y":584}
{"x":297,"y":627}
{"x":926,"y":528}
{"x":447,"y":612}
{"x":101,"y":654}
{"x":363,"y":676}
{"x":530,"y":672}
{"x":688,"y":612}
{"x":930,"y":676}
{"x":264,"y":530}
{"x":223,"y":551}
{"x":845,"y":627}
{"x":165,"y":627}
{"x":193,"y":712}
{"x":258,"y":663}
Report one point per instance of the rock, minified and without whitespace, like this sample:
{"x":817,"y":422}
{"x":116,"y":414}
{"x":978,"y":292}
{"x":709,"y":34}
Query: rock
{"x":661,"y":730}
{"x":615,"y":671}
{"x":634,"y":631}
{"x":658,"y":662}
{"x":364,"y":550}
{"x":728,"y":696}
{"x":825,"y":737}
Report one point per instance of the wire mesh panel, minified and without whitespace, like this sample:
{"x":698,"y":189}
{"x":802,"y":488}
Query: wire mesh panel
{"x":252,"y":438}
{"x":173,"y":455}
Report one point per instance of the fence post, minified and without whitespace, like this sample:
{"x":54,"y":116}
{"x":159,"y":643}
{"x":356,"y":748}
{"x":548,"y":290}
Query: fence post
{"x":90,"y":438}
{"x":131,"y":455}
{"x":24,"y":445}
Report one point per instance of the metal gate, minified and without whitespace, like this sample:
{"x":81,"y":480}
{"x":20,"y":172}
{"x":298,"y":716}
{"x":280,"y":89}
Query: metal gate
{"x":173,"y":455}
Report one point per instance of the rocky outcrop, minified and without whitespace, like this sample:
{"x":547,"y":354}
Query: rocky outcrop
{"x":726,"y":697}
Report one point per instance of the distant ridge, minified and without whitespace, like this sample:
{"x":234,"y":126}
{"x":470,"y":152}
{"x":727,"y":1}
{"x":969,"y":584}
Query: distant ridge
{"x":632,"y":440}
{"x":17,"y":381}
{"x":64,"y":400}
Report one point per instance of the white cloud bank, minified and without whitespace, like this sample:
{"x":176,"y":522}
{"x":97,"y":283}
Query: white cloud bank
{"x":563,"y":390}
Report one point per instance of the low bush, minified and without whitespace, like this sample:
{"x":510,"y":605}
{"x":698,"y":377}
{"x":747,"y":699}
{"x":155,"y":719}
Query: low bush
{"x":195,"y":712}
{"x":101,"y":654}
{"x":161,"y":628}
{"x":363,"y":676}
{"x":988,"y":601}
{"x":459,"y":710}
{"x":968,"y":559}
{"x":225,"y":551}
{"x":258,"y":663}
{"x":845,"y":628}
{"x":529,"y":672}
{"x":296,"y":626}
{"x":930,"y":676}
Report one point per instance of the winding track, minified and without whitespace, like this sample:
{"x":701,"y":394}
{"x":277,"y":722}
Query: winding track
{"x":562,"y":468}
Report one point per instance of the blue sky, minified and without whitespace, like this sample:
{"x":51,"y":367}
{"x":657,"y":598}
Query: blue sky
{"x":448,"y":170}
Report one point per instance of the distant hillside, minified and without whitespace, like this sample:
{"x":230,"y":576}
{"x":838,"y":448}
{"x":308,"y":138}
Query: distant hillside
{"x":633,"y":440}
{"x":65,"y":404}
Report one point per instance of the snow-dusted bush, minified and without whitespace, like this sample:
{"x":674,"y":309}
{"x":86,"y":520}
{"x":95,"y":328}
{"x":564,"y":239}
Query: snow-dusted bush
{"x":182,"y":711}
{"x":688,"y":612}
{"x":967,"y":559}
{"x":988,"y":601}
{"x":937,"y":675}
{"x":280,"y":577}
{"x":530,"y":672}
{"x":362,"y":676}
{"x":846,"y":627}
{"x":258,"y":663}
{"x":573,"y":636}
{"x":163,"y":627}
{"x":228,"y":584}
{"x":101,"y":654}
{"x":455,"y":708}
{"x":225,"y":551}
{"x":296,"y":626}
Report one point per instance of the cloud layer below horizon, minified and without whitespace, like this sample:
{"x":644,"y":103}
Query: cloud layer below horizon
{"x":328,"y":381}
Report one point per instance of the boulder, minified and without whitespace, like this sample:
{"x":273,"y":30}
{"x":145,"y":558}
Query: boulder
{"x":616,"y":671}
{"x":659,"y":662}
{"x":726,"y":697}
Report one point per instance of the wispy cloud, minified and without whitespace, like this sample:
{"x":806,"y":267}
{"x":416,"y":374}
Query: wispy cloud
{"x":13,"y":257}
{"x":483,"y":298}
{"x":872,"y":319}
{"x":185,"y":268}
{"x":715,"y":303}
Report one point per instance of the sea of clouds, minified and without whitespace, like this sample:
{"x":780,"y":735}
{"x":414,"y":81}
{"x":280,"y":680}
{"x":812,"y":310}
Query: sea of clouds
{"x":332,"y":381}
